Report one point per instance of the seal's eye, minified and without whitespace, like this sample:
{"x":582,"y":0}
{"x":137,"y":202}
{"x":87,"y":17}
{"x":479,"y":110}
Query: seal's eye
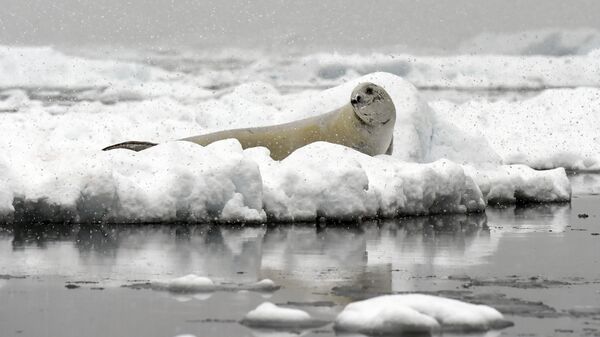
{"x":369,"y":91}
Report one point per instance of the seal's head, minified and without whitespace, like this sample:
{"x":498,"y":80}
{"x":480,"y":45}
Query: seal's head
{"x":373,"y":105}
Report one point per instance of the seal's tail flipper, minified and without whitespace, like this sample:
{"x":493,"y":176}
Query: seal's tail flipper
{"x":132,"y":145}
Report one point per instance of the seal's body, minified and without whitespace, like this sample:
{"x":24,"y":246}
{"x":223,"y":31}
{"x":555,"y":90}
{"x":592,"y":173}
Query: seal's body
{"x":366,"y":124}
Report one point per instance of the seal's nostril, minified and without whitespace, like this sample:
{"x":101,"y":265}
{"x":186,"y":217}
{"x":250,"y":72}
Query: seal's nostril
{"x":353,"y":101}
{"x":358,"y":98}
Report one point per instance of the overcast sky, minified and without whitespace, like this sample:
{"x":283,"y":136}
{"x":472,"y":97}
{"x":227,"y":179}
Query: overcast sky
{"x":416,"y":23}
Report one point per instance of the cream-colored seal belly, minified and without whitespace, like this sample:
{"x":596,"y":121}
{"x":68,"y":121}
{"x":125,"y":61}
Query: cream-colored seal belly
{"x":365,"y":124}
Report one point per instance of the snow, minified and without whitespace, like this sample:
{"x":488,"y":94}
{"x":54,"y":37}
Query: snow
{"x":520,"y":184}
{"x":269,"y":315}
{"x":464,"y":72}
{"x":263,"y":285}
{"x":45,"y":67}
{"x":552,"y":42}
{"x":585,"y":184}
{"x":187,"y":284}
{"x":448,"y":158}
{"x":351,"y":185}
{"x":557,"y":128}
{"x":193,"y":283}
{"x":393,"y":314}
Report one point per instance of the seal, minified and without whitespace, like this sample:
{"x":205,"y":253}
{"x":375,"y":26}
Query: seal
{"x":365,"y":124}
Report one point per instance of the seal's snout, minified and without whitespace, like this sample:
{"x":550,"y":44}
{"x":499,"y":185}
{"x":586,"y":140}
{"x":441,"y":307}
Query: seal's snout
{"x":356,"y":99}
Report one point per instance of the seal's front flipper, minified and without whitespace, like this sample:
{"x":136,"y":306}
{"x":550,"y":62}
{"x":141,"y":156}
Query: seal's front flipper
{"x":133,"y":145}
{"x":391,"y":147}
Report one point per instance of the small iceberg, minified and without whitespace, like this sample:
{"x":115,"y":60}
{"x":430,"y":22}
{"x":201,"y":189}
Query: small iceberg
{"x":264,"y":285}
{"x":270,"y":316}
{"x":417,"y":313}
{"x":193,"y":283}
{"x":187,"y":284}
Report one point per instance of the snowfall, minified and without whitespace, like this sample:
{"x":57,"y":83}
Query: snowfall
{"x":449,"y":157}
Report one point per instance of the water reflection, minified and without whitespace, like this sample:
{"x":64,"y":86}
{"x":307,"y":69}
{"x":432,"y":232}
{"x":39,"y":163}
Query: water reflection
{"x":385,"y":256}
{"x":532,"y":218}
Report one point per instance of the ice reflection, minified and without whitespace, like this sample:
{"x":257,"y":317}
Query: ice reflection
{"x":492,"y":333}
{"x":385,"y":256}
{"x":533,"y":218}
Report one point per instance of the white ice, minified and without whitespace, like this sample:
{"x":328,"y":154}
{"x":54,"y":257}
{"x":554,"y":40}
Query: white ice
{"x":394,"y":314}
{"x":193,"y":283}
{"x":443,"y":161}
{"x":187,"y":284}
{"x":263,"y":285}
{"x":558,"y":128}
{"x":269,"y":315}
{"x":463,"y":72}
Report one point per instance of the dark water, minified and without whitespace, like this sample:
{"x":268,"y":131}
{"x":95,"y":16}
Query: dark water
{"x":540,"y":265}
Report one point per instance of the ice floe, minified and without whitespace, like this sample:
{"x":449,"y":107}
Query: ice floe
{"x":447,"y":158}
{"x":269,"y":315}
{"x":189,"y":283}
{"x":417,"y":313}
{"x":263,"y":285}
{"x":193,"y":283}
{"x":520,"y":184}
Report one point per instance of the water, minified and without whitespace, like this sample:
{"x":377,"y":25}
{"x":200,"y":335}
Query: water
{"x":538,"y":264}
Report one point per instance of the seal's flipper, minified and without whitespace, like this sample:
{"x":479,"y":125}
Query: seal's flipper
{"x":133,"y":145}
{"x":391,"y":147}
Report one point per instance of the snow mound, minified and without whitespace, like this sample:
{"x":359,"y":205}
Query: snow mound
{"x":350,"y":185}
{"x":263,"y":285}
{"x":199,"y":284}
{"x":416,"y":313}
{"x":520,"y":184}
{"x":187,"y":284}
{"x":172,"y":181}
{"x":558,"y":128}
{"x":269,"y":315}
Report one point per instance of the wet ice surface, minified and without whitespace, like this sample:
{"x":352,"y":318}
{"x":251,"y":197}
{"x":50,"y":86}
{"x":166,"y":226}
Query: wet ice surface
{"x":538,"y":265}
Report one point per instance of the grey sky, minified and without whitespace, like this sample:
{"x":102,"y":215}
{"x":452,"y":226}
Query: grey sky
{"x":417,"y":23}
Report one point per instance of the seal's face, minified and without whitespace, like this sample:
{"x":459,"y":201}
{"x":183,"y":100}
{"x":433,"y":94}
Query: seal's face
{"x":373,"y":105}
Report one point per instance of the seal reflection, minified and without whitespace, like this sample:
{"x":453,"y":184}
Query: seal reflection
{"x":306,"y":255}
